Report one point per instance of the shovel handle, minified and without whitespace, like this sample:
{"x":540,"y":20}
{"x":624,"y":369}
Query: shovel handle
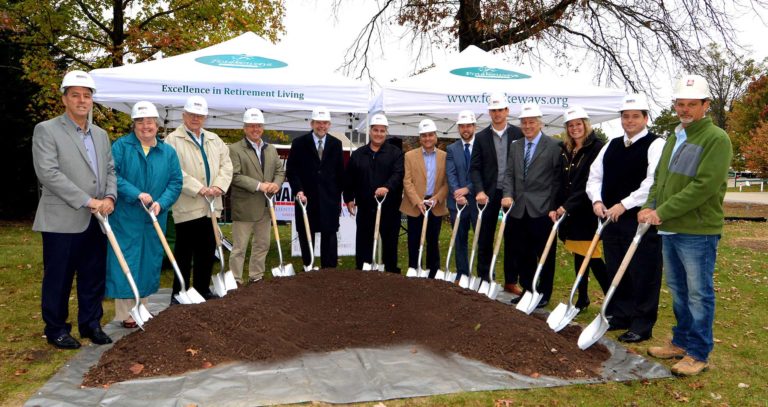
{"x":476,"y":237}
{"x":454,"y":232}
{"x":118,"y":253}
{"x":270,"y":200}
{"x":641,"y":229}
{"x":308,"y":231}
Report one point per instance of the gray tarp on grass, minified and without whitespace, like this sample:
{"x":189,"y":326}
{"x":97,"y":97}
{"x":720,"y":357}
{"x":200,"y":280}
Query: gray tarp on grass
{"x":346,"y":376}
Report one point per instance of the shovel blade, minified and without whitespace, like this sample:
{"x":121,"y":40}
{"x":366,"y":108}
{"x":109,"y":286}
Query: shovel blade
{"x":288,"y":270}
{"x":183,"y":298}
{"x":218,"y":285}
{"x":412,"y":272}
{"x":440,"y":275}
{"x":474,"y":283}
{"x":367,"y":267}
{"x":450,"y":276}
{"x":561,"y":316}
{"x":493,"y":291}
{"x":140,"y":314}
{"x":229,"y":281}
{"x":529,"y":302}
{"x":593,"y":332}
{"x":423,"y":273}
{"x":380,"y":267}
{"x":195,"y":296}
{"x":277,"y":272}
{"x":484,"y":286}
{"x":464,"y":281}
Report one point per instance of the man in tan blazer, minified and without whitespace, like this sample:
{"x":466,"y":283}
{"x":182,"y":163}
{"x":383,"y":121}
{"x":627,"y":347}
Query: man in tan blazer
{"x":425,"y":181}
{"x":256,"y":170}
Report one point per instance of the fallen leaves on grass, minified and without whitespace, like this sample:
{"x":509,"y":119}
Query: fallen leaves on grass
{"x":20,"y":372}
{"x":743,"y":386}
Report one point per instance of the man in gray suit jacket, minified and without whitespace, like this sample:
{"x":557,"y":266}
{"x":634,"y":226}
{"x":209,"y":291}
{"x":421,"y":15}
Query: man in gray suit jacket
{"x":531,"y":182}
{"x":256,"y":169}
{"x":460,"y":189}
{"x":73,"y":162}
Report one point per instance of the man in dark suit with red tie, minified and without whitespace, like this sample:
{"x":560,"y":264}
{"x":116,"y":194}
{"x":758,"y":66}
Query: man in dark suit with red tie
{"x":315,"y":171}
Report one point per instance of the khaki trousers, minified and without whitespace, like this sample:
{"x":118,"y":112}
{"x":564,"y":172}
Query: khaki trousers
{"x":241,"y":233}
{"x":123,"y":305}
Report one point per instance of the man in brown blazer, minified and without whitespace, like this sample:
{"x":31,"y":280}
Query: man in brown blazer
{"x":425,"y":180}
{"x":256,"y":169}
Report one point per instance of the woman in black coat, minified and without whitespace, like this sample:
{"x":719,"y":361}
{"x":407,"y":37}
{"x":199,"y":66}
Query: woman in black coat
{"x":580,"y":147}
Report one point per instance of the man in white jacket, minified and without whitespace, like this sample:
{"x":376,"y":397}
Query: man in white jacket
{"x":207,"y":172}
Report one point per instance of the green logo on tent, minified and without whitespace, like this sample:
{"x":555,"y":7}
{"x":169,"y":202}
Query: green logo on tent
{"x":241,"y":61}
{"x":484,"y":72}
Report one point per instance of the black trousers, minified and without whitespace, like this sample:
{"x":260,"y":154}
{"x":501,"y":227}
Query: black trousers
{"x":65,"y":254}
{"x":601,"y":275}
{"x":194,"y":251}
{"x":432,"y":243}
{"x":529,"y":236}
{"x":635,"y":305}
{"x":389,"y":229}
{"x":329,"y":244}
{"x":486,"y":238}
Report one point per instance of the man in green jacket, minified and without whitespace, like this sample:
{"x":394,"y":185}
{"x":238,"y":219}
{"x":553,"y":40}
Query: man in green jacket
{"x":686,"y":202}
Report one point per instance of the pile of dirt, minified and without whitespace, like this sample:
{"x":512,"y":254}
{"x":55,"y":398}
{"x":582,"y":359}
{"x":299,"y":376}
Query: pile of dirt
{"x":331,"y":310}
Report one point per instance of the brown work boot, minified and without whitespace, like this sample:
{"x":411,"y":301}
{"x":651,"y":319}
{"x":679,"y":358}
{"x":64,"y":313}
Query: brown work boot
{"x":689,"y":367}
{"x":513,"y":288}
{"x":668,"y":351}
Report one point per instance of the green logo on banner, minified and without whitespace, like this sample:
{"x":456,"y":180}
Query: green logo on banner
{"x":484,"y":72}
{"x":241,"y":61}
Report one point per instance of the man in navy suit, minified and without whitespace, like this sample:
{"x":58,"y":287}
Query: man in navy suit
{"x":315,"y":170}
{"x":460,"y":189}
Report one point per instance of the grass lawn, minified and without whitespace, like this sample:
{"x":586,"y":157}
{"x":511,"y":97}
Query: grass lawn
{"x":738,"y":376}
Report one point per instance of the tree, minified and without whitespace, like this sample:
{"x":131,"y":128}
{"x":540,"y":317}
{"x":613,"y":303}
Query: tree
{"x":747,"y":114}
{"x":665,"y":124}
{"x":626,"y":41}
{"x":87,"y":34}
{"x":756,"y":150}
{"x":727,"y":76}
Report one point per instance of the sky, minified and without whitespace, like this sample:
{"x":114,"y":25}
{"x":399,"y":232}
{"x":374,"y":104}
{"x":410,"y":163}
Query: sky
{"x":323,"y":38}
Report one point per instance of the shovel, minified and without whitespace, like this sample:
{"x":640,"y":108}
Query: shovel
{"x":594,"y":331}
{"x":563,"y":314}
{"x":471,"y":281}
{"x":531,"y":299}
{"x":223,"y":281}
{"x":139,"y":312}
{"x":492,"y":288}
{"x":282,"y":270}
{"x":448,"y":275}
{"x":307,"y":229}
{"x":183,"y":296}
{"x":374,"y":265}
{"x":422,"y":273}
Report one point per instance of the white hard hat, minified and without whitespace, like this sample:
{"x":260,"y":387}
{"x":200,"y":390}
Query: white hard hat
{"x":144,"y":109}
{"x":497,"y":101}
{"x":427,"y":126}
{"x":691,"y":87}
{"x":379,"y":119}
{"x":466,"y":117}
{"x":78,"y":78}
{"x":634,"y":101}
{"x":574,"y":112}
{"x":530,"y":110}
{"x":253,"y":116}
{"x":196,"y":105}
{"x":321,"y":113}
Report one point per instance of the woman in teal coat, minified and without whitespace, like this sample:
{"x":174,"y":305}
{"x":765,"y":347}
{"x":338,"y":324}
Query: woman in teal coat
{"x":148,"y":173}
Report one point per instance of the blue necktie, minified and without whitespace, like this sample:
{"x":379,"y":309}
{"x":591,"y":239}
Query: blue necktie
{"x":466,"y":154}
{"x":527,"y":158}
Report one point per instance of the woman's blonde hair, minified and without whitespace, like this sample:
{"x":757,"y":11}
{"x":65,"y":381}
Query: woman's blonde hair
{"x":568,"y":141}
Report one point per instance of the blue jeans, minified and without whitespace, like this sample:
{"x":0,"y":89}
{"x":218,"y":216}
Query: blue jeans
{"x":689,"y":265}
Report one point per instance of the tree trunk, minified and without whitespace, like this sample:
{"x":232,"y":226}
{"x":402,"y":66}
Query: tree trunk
{"x":469,"y":16}
{"x":118,"y":35}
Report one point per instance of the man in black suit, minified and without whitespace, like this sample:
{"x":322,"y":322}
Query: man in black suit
{"x":532,"y":182}
{"x":315,"y":171}
{"x":487,"y":168}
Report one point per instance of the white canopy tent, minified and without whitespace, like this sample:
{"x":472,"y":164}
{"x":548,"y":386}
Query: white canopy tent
{"x":466,"y":82}
{"x":246,"y":71}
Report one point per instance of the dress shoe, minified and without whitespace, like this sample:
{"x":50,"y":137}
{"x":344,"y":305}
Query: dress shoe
{"x":689,"y":367}
{"x":513,"y":288}
{"x":631,"y":337}
{"x":582,"y":305}
{"x":98,"y":337}
{"x":174,"y":301}
{"x":516,"y":300}
{"x":65,"y":341}
{"x":210,"y":296}
{"x":543,"y":303}
{"x":254,"y":280}
{"x":668,"y":351}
